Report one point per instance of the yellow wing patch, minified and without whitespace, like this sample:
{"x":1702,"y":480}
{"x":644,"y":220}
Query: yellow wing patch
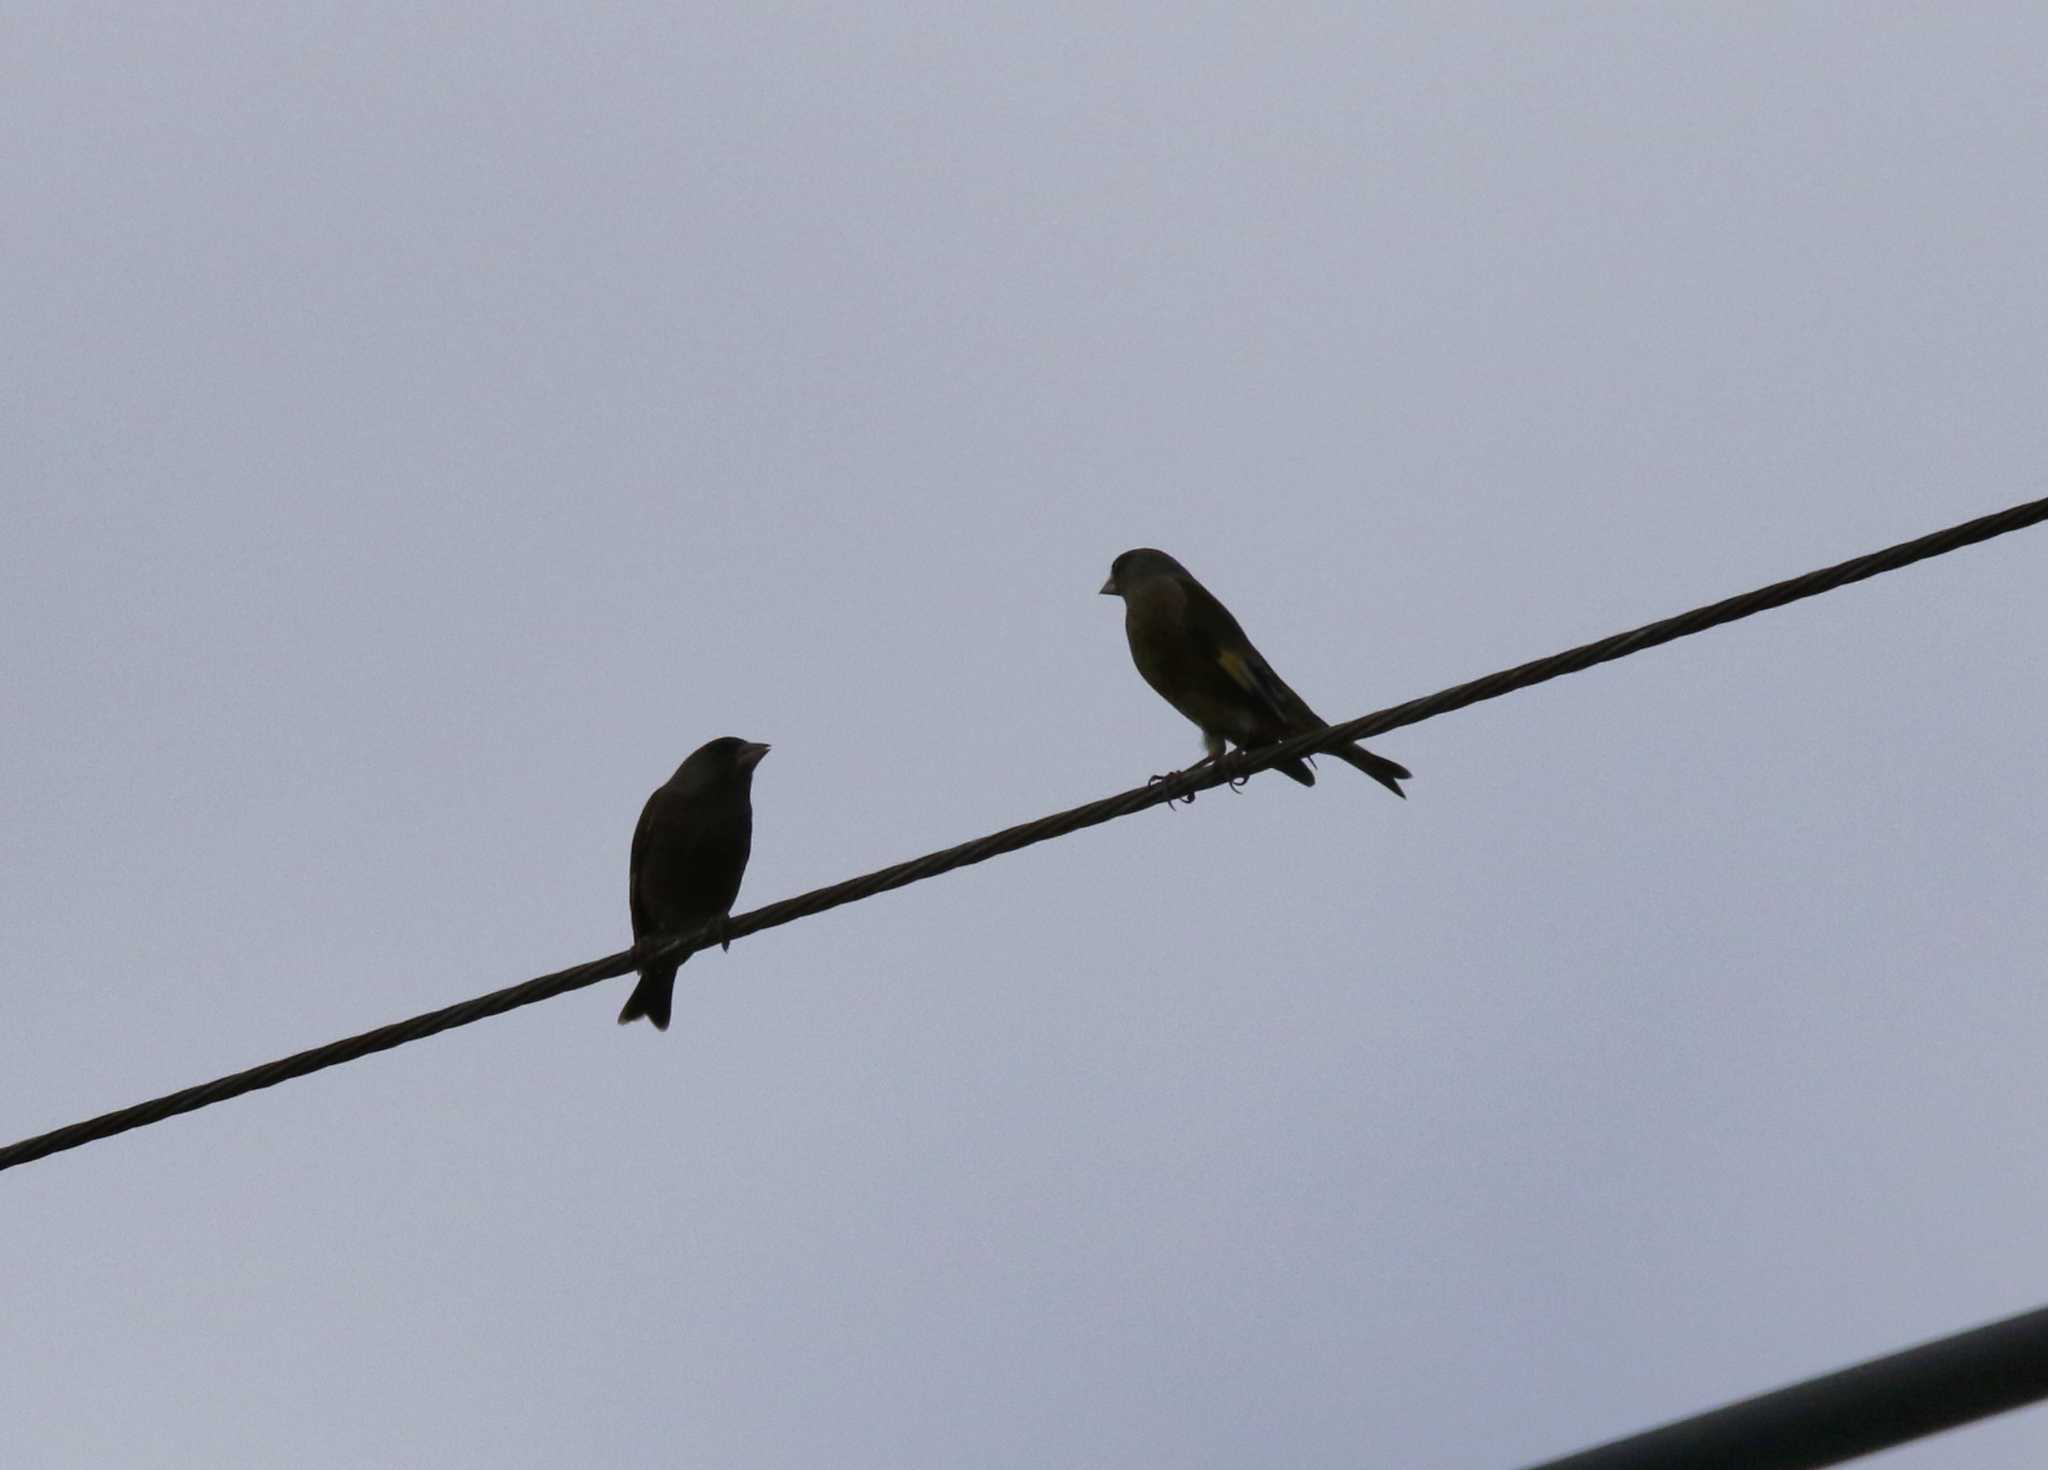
{"x":1240,"y":672}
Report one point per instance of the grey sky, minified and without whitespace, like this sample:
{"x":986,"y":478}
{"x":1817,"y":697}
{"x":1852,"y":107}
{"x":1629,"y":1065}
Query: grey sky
{"x":424,"y":426}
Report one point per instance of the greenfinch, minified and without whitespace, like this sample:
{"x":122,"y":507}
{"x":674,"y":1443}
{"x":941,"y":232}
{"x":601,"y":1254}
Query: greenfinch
{"x":1191,"y":650}
{"x":689,"y":853}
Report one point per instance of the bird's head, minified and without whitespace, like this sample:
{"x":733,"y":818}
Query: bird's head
{"x":728,"y":758}
{"x":1137,"y":564}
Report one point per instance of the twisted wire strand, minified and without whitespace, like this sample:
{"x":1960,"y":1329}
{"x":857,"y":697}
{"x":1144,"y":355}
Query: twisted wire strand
{"x":1180,"y":786}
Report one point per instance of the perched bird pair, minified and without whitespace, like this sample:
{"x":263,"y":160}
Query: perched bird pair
{"x":690,"y":849}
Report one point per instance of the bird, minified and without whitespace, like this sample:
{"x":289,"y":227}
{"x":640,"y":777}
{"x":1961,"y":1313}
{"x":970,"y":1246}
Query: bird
{"x":689,"y":853}
{"x":1191,"y":650}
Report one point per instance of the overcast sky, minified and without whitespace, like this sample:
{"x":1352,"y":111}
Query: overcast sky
{"x":423,"y":425}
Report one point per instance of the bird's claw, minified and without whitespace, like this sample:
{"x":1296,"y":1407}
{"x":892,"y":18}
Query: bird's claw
{"x":721,"y":930}
{"x":1172,"y":801}
{"x":1234,"y":767}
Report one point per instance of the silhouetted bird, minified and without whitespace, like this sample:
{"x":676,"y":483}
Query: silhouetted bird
{"x":1191,"y":650}
{"x":689,"y":853}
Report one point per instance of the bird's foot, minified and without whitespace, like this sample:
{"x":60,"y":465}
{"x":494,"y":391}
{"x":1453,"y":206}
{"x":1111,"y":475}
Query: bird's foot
{"x":1173,"y":801}
{"x":721,"y":930}
{"x":1235,"y":763}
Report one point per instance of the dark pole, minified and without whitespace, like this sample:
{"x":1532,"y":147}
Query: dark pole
{"x":1858,"y":1411}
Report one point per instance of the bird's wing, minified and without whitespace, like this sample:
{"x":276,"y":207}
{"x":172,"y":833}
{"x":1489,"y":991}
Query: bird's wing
{"x":1209,"y":622}
{"x":643,"y":844}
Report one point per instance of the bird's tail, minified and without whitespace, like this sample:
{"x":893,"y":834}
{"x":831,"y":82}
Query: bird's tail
{"x":1389,"y":774}
{"x":654,"y":997}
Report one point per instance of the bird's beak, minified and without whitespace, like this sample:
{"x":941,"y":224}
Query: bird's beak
{"x":1108,"y":588}
{"x":751,"y":753}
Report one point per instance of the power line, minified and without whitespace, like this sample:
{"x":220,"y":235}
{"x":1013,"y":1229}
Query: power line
{"x":1011,"y":839}
{"x":1856,"y":1411}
